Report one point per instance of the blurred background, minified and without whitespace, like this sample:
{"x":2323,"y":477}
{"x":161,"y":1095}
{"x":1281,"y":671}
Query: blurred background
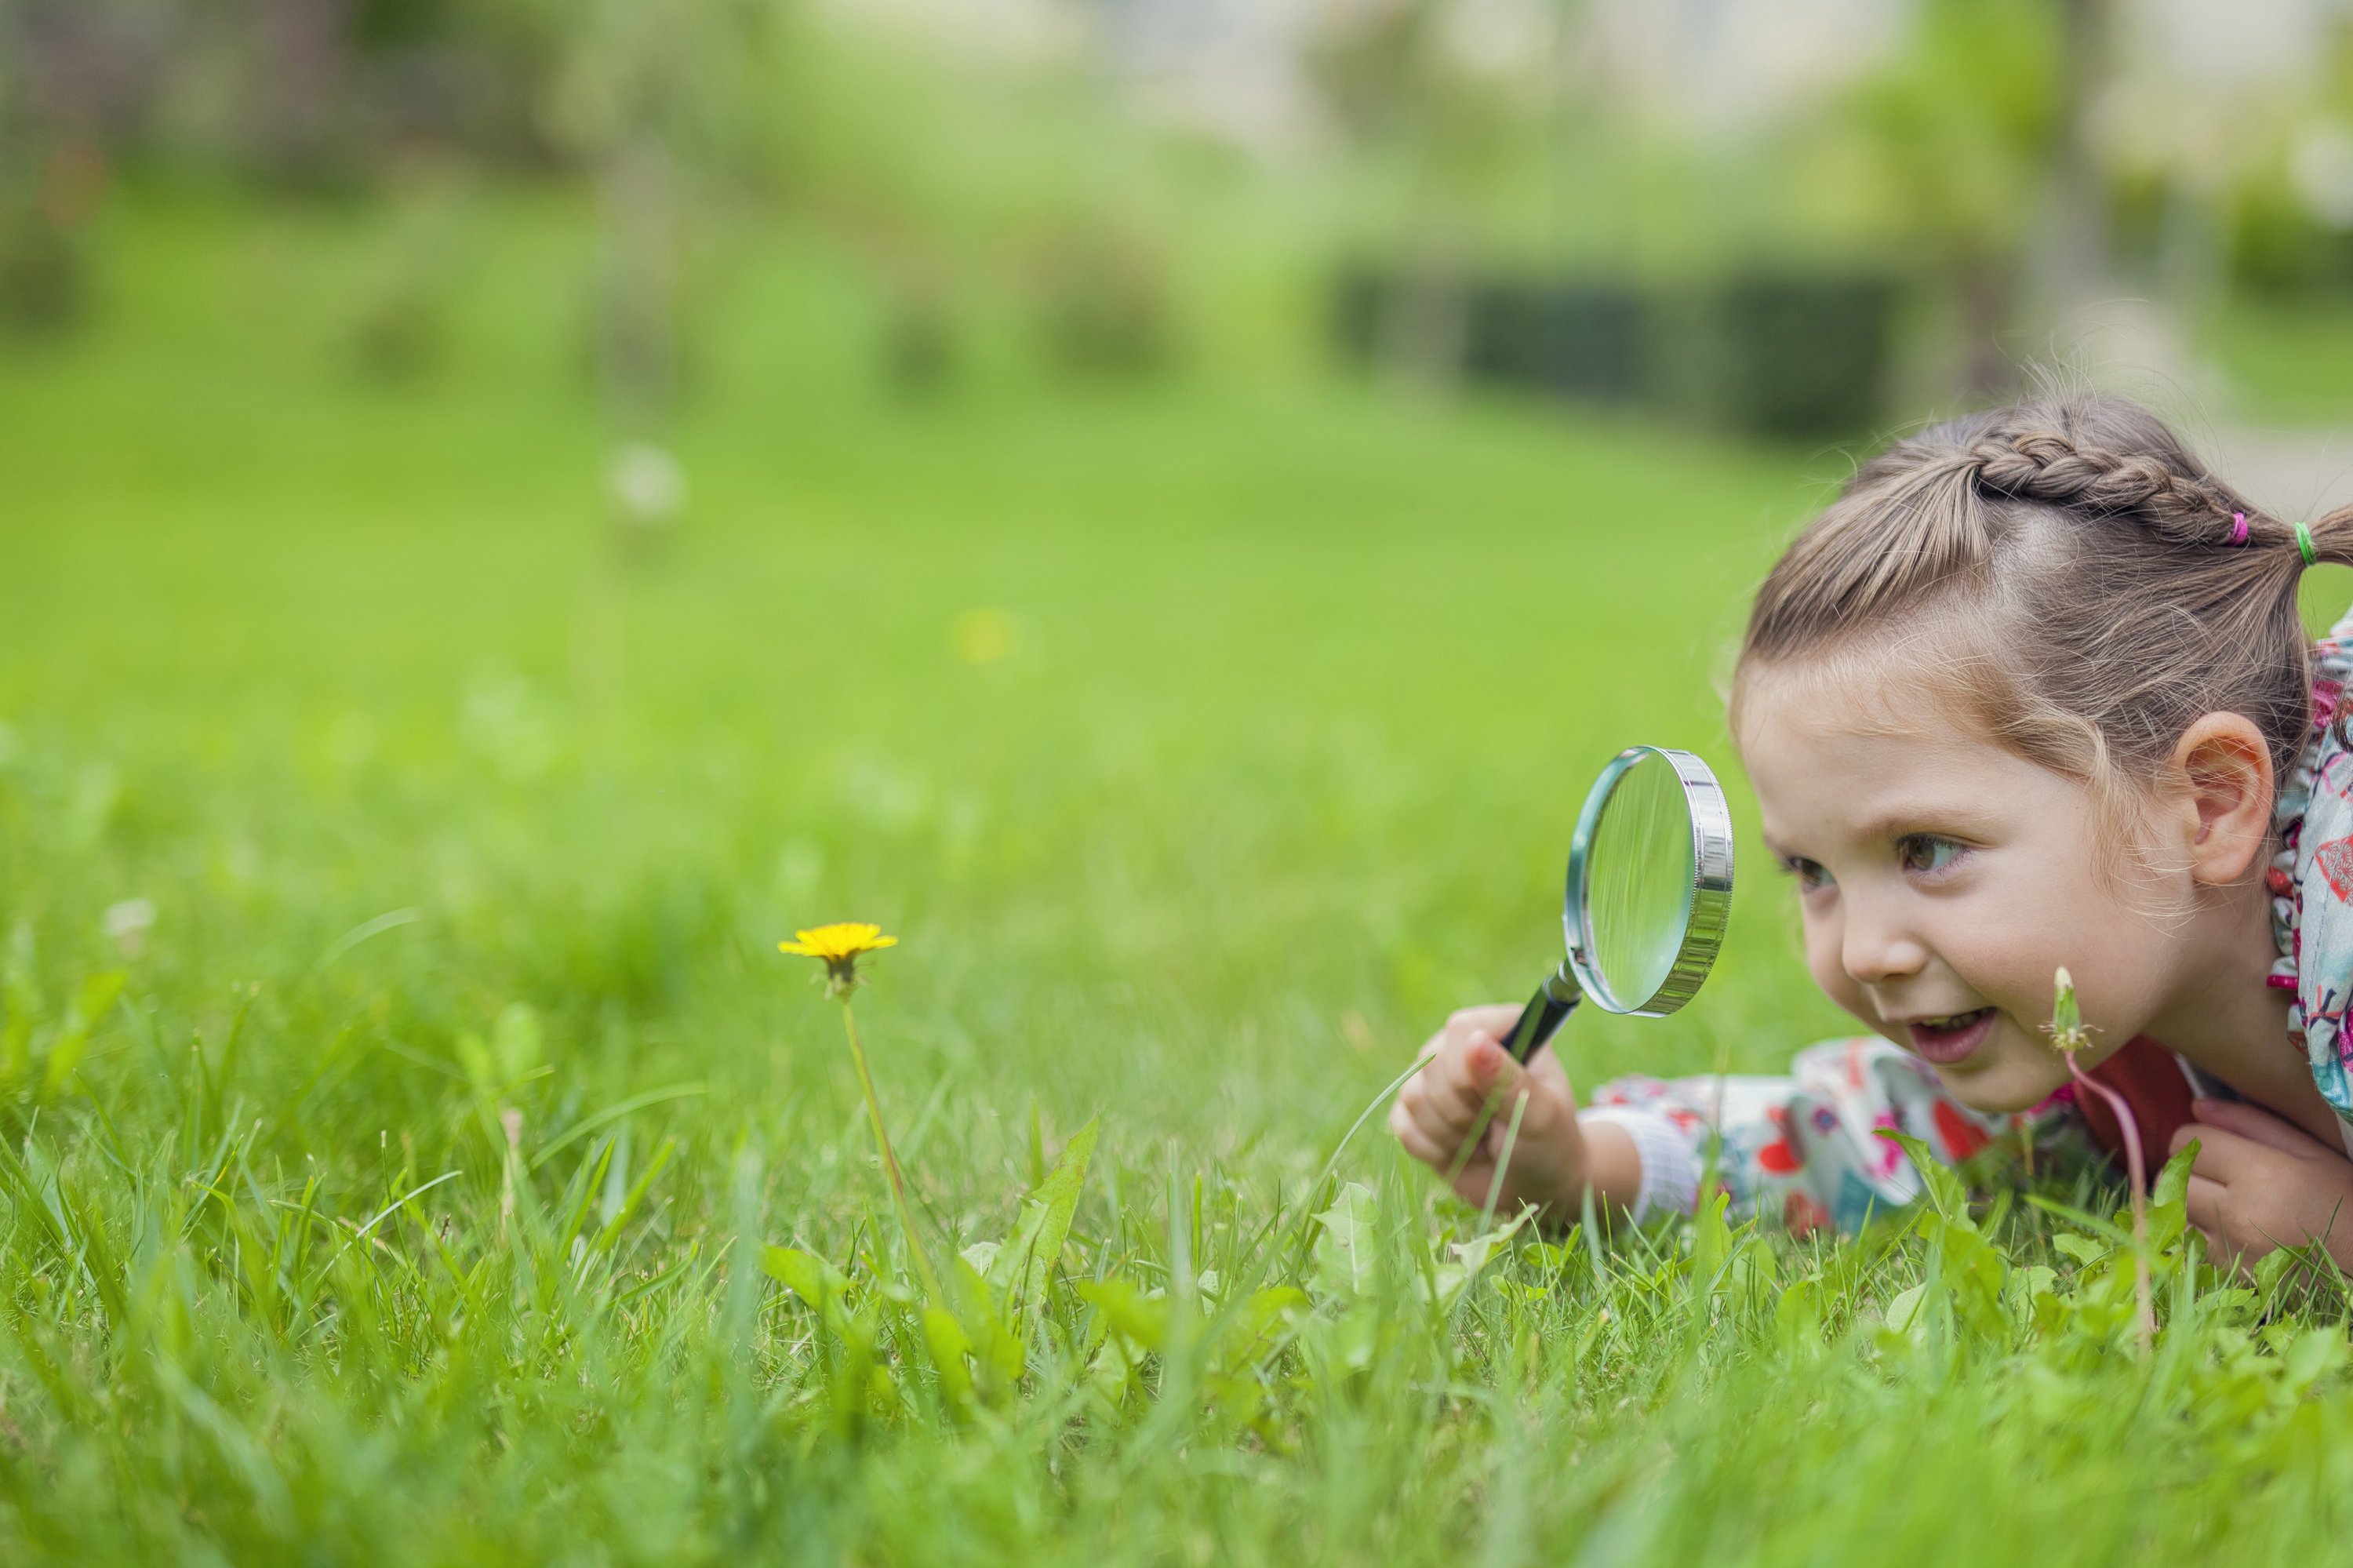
{"x":1802,"y":219}
{"x":1162,"y":503}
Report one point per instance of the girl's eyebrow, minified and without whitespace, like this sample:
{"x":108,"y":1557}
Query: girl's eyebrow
{"x":1896,"y":822}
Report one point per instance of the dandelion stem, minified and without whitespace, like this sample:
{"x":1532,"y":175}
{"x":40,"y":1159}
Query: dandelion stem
{"x":890,"y":1161}
{"x":2138,"y":1172}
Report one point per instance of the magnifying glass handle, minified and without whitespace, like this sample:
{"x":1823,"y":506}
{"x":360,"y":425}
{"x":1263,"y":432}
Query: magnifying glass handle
{"x":1552,"y":1002}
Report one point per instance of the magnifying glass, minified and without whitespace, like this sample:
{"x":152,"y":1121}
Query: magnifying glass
{"x":1649,"y":886}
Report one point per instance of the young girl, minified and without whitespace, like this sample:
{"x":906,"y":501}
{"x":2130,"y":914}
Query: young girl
{"x":2032,"y":692}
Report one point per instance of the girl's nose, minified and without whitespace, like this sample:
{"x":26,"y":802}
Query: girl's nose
{"x":1874,"y":952}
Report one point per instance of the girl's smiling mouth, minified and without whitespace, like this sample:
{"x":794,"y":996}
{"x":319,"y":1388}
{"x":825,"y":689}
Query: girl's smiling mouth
{"x":1948,"y":1039}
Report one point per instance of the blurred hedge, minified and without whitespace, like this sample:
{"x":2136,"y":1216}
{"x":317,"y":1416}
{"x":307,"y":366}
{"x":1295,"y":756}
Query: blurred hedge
{"x":1763,"y":352}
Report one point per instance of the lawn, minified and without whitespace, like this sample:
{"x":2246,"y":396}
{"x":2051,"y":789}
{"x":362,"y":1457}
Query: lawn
{"x":459,"y":1173}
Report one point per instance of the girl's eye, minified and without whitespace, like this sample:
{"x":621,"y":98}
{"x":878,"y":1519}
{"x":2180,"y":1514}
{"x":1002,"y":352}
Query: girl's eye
{"x":1810,"y":874}
{"x":1926,"y":854}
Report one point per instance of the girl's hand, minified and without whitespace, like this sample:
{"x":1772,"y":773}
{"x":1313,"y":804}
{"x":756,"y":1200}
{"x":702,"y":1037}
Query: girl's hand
{"x":1464,"y":1067}
{"x":2260,"y":1184}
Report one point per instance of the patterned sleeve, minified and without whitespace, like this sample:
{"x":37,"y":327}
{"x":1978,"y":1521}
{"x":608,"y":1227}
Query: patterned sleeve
{"x":1800,"y":1149}
{"x":2311,"y":882}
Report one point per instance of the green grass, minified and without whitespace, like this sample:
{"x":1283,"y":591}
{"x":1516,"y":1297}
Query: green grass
{"x":453,"y":822}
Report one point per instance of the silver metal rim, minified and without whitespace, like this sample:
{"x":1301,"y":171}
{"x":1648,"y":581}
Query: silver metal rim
{"x":1707,"y":908}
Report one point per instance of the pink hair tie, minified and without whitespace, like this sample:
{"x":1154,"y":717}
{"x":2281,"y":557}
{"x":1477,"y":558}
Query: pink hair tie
{"x":2238,"y":527}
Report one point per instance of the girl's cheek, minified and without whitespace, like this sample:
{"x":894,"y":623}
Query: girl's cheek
{"x":1825,"y":942}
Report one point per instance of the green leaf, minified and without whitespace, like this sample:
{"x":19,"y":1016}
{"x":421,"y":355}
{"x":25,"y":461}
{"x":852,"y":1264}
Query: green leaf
{"x":1797,"y":1315}
{"x":1345,"y":1244}
{"x":1972,"y":1275}
{"x":1711,"y":1239}
{"x":1254,"y":1324}
{"x":994,"y":1347}
{"x":1019,"y":1271}
{"x":1141,"y":1320}
{"x":2084,"y":1250}
{"x":1475,"y":1254}
{"x":805,"y":1273}
{"x":1944,"y":1191}
{"x":2168,"y":1207}
{"x":2273,"y":1265}
{"x":949,"y":1343}
{"x":2312,"y":1355}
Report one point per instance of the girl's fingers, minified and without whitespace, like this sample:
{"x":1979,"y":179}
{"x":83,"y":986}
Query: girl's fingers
{"x":2223,"y":1156}
{"x":1423,"y":1146}
{"x":2261,"y":1126}
{"x":1551,"y":1094}
{"x":1400,"y":1115}
{"x":2204,"y":1204}
{"x":1436,"y":1107}
{"x":1432,"y":1096}
{"x":1463,"y":1082}
{"x":1493,"y":1020}
{"x":1434,"y":1147}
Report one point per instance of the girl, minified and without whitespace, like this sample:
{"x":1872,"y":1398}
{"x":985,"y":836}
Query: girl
{"x":2033,"y":690}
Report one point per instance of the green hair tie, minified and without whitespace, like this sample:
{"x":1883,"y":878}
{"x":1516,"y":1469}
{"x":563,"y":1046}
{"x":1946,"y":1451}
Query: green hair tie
{"x":2303,"y":543}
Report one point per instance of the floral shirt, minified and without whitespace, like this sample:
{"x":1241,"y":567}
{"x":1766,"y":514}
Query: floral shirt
{"x":1801,"y":1147}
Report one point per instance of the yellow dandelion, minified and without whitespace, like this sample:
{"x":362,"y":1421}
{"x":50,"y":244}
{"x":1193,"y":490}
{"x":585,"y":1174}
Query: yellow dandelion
{"x":840,"y":945}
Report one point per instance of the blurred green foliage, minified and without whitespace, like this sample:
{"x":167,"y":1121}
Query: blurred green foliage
{"x":1982,"y":166}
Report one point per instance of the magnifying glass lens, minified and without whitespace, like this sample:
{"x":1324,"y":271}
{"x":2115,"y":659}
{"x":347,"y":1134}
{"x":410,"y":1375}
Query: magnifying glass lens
{"x":1637,"y":880}
{"x":1650,"y":885}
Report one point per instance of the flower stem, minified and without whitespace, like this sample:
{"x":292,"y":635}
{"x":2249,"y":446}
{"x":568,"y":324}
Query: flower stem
{"x":2139,"y":1174}
{"x":891,"y":1162}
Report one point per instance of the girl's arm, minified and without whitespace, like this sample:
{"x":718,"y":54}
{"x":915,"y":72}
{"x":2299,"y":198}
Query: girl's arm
{"x":1800,"y":1149}
{"x":1470,"y":1105}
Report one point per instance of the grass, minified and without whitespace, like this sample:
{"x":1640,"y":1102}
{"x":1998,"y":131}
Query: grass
{"x":461,"y":1175}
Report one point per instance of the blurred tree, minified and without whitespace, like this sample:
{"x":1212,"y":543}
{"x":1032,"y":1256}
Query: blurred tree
{"x":72,"y":87}
{"x":1104,"y":306}
{"x":2077,"y":232}
{"x":1959,"y":141}
{"x":464,"y":74}
{"x":2290,"y":217}
{"x":1407,"y":85}
{"x":300,"y":90}
{"x":655,"y":97}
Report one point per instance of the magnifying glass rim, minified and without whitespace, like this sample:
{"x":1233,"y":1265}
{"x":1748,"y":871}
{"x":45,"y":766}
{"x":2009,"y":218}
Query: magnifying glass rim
{"x":1707,"y":907}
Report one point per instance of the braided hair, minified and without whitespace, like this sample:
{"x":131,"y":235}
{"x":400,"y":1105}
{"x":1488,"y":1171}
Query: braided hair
{"x":2086,"y":585}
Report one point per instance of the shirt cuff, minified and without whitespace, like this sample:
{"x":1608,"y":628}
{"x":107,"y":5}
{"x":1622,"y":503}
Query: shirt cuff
{"x":1670,"y":1166}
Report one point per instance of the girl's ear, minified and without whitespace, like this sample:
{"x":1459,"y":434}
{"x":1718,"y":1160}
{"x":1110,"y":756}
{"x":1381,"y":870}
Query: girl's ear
{"x":2223,"y":771}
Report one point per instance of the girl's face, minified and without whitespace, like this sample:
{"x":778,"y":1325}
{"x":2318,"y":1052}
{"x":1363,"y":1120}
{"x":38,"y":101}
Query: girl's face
{"x":1944,"y":879}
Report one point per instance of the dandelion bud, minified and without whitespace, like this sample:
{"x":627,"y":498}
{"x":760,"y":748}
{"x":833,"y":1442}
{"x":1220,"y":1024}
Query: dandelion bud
{"x":2066,"y":1015}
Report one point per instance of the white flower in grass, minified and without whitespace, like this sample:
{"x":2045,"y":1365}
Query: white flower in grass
{"x":648,"y":486}
{"x":128,"y":923}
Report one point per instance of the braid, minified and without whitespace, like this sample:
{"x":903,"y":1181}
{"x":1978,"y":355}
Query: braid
{"x":2067,"y":565}
{"x":2181,"y":501}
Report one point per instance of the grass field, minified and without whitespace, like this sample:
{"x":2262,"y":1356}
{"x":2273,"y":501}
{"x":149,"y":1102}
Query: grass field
{"x":460,"y":1174}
